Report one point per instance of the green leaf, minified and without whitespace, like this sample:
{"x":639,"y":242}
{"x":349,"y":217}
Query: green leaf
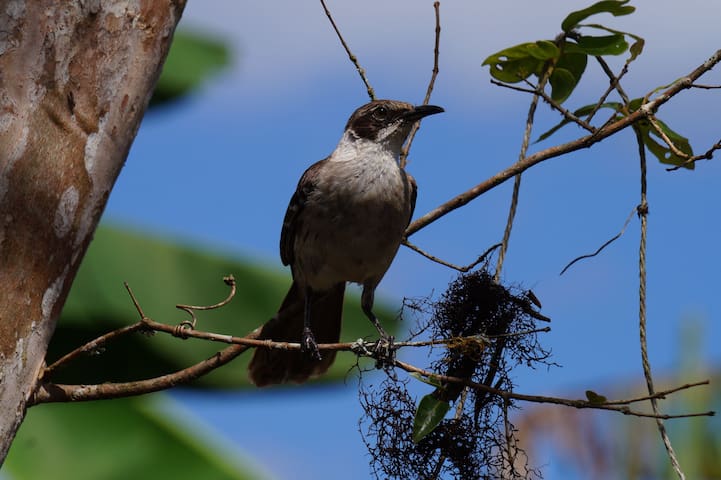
{"x":514,"y":71}
{"x":660,"y":149}
{"x":562,"y":84}
{"x":429,"y":414}
{"x":144,"y":437}
{"x":542,"y":50}
{"x":517,"y":63}
{"x":575,"y":63}
{"x":605,"y":45}
{"x":595,"y":398}
{"x":191,"y":60}
{"x":614,"y":7}
{"x":429,"y":380}
{"x":636,"y":48}
{"x":163,"y":274}
{"x":566,"y":74}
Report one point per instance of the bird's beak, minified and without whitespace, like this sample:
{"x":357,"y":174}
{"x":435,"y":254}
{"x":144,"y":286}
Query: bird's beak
{"x":421,"y":111}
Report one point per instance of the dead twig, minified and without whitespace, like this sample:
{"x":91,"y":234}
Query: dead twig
{"x":608,"y":242}
{"x":551,"y":102}
{"x":464,"y":269}
{"x":407,"y":147}
{"x":672,"y":146}
{"x":351,"y":56}
{"x":620,"y":406}
{"x":705,"y":156}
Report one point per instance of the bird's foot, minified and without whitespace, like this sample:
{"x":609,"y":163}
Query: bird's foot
{"x":384,"y":351}
{"x":308,"y":344}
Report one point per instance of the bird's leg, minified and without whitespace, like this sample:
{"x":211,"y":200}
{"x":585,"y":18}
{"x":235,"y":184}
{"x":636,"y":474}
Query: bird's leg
{"x":307,"y":341}
{"x":384,"y":350}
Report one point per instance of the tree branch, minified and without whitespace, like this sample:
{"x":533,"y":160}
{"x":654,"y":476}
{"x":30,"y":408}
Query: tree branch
{"x":648,"y":108}
{"x":620,"y":406}
{"x":48,"y":392}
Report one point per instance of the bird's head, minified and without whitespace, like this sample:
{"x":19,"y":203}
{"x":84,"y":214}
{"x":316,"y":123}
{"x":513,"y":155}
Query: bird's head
{"x":387,"y":121}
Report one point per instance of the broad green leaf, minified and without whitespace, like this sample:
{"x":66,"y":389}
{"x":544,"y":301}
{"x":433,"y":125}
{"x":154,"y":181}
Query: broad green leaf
{"x":163,"y":274}
{"x":604,"y":45}
{"x":636,"y":48}
{"x":614,"y":7}
{"x":575,"y":63}
{"x":141,"y":438}
{"x":543,"y":50}
{"x":562,"y":84}
{"x":521,"y":61}
{"x":192,"y":58}
{"x":429,"y":380}
{"x":514,"y":71}
{"x":566,"y":74}
{"x":679,"y":140}
{"x":660,"y":149}
{"x":429,"y":414}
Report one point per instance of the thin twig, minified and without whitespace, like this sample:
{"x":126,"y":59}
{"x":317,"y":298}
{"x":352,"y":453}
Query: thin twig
{"x":615,"y":406}
{"x":657,"y":128}
{"x":135,"y":301}
{"x":464,"y":269}
{"x":511,"y":450}
{"x":353,"y":58}
{"x":705,"y":87}
{"x":568,"y":115}
{"x":608,"y":242}
{"x":705,"y":156}
{"x":407,"y":147}
{"x":190,"y":309}
{"x":228,"y":280}
{"x":92,"y":346}
{"x":517,"y":179}
{"x":612,"y":128}
{"x":360,"y":344}
{"x":659,"y":395}
{"x":611,"y":87}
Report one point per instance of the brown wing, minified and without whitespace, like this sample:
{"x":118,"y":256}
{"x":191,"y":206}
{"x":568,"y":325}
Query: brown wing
{"x":413,"y":187}
{"x":306,"y":185}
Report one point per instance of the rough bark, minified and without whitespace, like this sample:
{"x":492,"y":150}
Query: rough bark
{"x":75,"y":80}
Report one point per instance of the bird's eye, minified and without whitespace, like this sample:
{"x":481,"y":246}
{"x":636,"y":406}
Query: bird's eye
{"x":381,"y":113}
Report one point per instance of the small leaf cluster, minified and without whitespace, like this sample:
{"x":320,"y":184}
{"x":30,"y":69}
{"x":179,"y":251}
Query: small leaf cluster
{"x":563,"y":61}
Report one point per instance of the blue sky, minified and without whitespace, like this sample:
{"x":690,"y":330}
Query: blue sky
{"x":218,"y":170}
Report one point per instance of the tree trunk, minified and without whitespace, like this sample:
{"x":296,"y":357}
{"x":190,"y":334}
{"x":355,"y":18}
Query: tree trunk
{"x":75,"y":79}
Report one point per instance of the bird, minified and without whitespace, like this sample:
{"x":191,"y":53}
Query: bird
{"x":344,"y":223}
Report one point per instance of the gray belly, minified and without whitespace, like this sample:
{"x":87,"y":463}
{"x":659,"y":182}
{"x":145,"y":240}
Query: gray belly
{"x":350,"y":237}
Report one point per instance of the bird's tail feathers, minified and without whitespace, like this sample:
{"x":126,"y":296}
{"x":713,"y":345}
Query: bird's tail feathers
{"x":271,"y":366}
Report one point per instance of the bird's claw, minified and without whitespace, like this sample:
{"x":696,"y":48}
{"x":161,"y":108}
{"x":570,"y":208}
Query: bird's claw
{"x":384,"y":351}
{"x":308,"y":344}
